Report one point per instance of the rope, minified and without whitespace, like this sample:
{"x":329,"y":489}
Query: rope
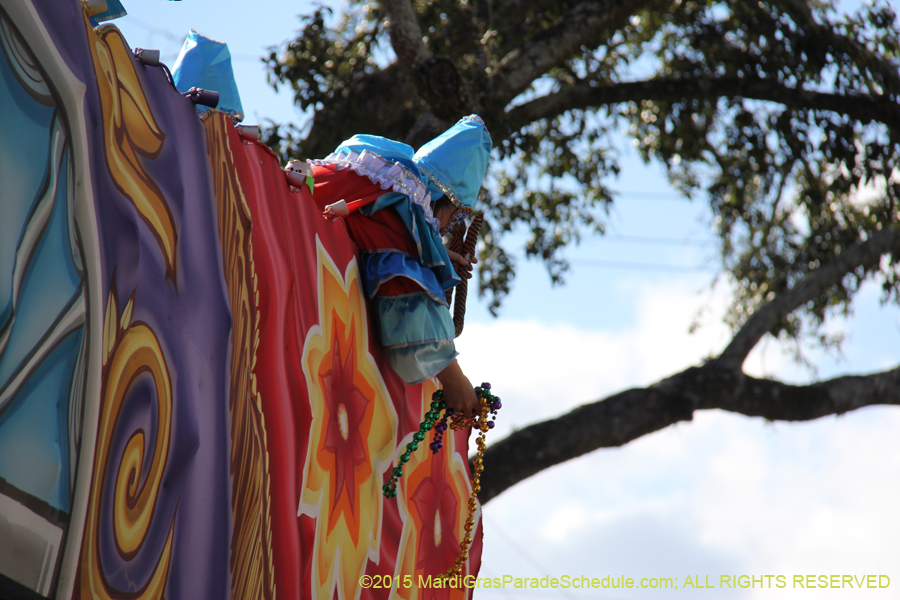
{"x":468,"y":249}
{"x":456,"y":244}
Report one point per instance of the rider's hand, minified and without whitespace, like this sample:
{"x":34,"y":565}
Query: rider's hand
{"x":464,"y":261}
{"x":458,"y":391}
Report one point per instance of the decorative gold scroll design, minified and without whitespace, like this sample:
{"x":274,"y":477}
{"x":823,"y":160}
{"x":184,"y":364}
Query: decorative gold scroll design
{"x":130,"y":350}
{"x":252,"y":572}
{"x":130,"y":132}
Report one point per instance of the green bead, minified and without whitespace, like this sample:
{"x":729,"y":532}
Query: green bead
{"x":397,"y":471}
{"x":419,"y":436}
{"x":405,"y":457}
{"x":412,"y":446}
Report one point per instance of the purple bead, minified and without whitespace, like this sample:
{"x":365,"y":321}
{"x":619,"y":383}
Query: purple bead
{"x":490,"y":424}
{"x":486,"y":385}
{"x":498,"y":405}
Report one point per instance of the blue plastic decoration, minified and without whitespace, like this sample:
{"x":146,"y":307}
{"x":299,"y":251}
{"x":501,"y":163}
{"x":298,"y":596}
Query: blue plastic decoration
{"x":205,"y":63}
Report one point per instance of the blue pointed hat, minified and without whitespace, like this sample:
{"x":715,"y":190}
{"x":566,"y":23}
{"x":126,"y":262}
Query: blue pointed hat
{"x":456,"y":161}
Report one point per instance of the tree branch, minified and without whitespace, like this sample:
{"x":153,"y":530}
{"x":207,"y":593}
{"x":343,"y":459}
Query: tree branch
{"x":629,"y":415}
{"x":801,"y":13}
{"x":559,"y":42}
{"x":406,"y":36}
{"x":767,"y":316}
{"x":863,"y":108}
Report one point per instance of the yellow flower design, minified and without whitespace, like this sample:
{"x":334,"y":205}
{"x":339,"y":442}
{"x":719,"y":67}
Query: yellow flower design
{"x":353,"y":430}
{"x":433,"y":495}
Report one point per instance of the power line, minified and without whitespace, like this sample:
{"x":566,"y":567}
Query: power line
{"x":616,"y":264}
{"x":154,"y":29}
{"x":653,"y":196}
{"x":522,"y":552}
{"x":649,"y":239}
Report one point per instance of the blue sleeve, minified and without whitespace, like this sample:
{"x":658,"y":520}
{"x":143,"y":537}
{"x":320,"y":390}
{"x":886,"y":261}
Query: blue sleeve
{"x":419,"y":363}
{"x":416,"y":328}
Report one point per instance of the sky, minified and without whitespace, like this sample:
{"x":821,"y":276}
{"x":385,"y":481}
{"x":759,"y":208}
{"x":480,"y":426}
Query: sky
{"x":722,"y":495}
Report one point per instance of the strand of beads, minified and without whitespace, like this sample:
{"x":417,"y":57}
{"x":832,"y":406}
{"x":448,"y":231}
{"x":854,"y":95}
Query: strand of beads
{"x":488,"y":405}
{"x":389,"y":489}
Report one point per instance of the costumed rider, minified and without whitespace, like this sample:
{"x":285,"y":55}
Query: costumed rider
{"x":397,"y":205}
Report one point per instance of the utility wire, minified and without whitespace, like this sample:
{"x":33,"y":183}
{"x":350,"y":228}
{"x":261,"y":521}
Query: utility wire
{"x":153,"y":29}
{"x":523,"y":553}
{"x":617,"y":264}
{"x":653,"y":196}
{"x":649,"y":239}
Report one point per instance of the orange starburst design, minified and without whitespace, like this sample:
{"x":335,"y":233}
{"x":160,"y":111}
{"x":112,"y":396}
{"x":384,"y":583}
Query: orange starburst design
{"x":433,"y":496}
{"x":353,"y":433}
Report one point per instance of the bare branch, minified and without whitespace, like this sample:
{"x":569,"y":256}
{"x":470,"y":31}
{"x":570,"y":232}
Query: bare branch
{"x":559,"y":42}
{"x":767,"y":316}
{"x":629,"y":415}
{"x":406,"y":36}
{"x":864,"y":109}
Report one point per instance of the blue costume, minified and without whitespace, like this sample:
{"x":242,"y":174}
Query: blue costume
{"x":387,"y":186}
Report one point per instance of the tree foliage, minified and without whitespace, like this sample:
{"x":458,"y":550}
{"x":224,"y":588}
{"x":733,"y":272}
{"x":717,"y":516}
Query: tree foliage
{"x":782,"y":115}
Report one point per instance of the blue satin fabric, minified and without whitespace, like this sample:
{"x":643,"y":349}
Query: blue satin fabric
{"x":378,"y":267}
{"x":418,"y":364}
{"x":412,"y":319}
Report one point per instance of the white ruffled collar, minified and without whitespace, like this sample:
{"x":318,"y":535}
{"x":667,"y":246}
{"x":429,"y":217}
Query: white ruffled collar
{"x":387,"y":174}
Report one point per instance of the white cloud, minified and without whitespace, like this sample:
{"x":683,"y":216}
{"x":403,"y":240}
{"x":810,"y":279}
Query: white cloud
{"x":735,"y":496}
{"x":543,"y":369}
{"x":723,"y":494}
